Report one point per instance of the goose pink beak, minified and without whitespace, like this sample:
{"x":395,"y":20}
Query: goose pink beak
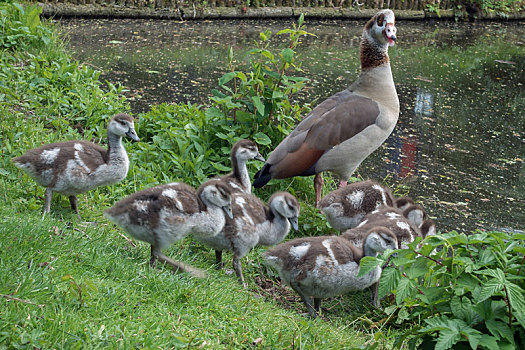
{"x":390,"y":33}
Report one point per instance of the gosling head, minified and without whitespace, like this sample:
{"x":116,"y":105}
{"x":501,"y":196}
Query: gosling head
{"x":246,"y":150}
{"x":287,"y":206}
{"x":216,"y":193}
{"x":123,"y":125}
{"x":379,"y":239}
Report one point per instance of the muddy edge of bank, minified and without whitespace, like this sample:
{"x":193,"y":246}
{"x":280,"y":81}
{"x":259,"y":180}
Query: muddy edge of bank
{"x":64,"y":10}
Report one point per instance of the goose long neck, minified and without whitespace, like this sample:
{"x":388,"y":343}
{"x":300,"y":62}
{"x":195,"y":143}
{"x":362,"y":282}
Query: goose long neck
{"x":279,"y":228}
{"x":240,"y":171}
{"x":115,"y":147}
{"x":372,"y":54}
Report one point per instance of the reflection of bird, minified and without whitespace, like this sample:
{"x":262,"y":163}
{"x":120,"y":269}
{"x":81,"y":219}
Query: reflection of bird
{"x":74,"y":167}
{"x":165,"y":214}
{"x":327,"y":266}
{"x":344,"y":129}
{"x":254,"y":224}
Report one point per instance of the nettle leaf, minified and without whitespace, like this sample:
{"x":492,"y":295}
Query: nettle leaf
{"x":368,"y":264}
{"x":500,"y":329}
{"x":438,"y":323}
{"x":473,"y":336}
{"x":404,"y":289}
{"x":488,"y":290}
{"x":516,"y":296}
{"x":489,"y":342}
{"x":389,"y":280}
{"x":467,"y":281}
{"x":450,"y":336}
{"x":418,"y":269}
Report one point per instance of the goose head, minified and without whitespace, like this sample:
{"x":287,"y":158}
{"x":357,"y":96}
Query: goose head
{"x":286,"y":205}
{"x":381,"y":28}
{"x":245,"y":150}
{"x":123,"y":125}
{"x":218,"y":194}
{"x":379,"y":239}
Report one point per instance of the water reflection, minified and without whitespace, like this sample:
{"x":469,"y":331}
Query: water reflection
{"x":459,"y":144}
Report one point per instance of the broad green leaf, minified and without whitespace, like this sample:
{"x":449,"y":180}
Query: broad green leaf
{"x":405,"y":287}
{"x":489,"y":342}
{"x":488,"y":290}
{"x":417,"y":269}
{"x":473,"y":336}
{"x":220,"y":167}
{"x":258,"y":104}
{"x":261,"y":139}
{"x":500,"y":329}
{"x":516,"y":296}
{"x":447,"y":338}
{"x":214,"y":112}
{"x":388,"y":282}
{"x":227,"y":77}
{"x":368,"y":264}
{"x":287,"y":55}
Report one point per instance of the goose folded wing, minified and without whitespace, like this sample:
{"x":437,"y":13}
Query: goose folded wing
{"x":332,"y":122}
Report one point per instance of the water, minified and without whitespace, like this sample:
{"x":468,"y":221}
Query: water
{"x":459,"y":146}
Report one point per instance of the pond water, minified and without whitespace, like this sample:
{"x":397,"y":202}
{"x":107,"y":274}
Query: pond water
{"x":459,"y":145}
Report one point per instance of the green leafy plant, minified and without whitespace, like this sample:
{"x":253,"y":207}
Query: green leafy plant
{"x":459,"y":291}
{"x":260,"y":99}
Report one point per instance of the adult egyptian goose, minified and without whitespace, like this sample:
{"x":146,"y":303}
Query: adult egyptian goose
{"x":347,"y":206}
{"x":164,"y":214}
{"x":239,"y":179}
{"x":327,"y":266}
{"x":254,"y":224}
{"x":343,"y":130}
{"x":74,"y":167}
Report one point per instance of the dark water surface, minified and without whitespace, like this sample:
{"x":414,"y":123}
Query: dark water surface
{"x":459,"y":146}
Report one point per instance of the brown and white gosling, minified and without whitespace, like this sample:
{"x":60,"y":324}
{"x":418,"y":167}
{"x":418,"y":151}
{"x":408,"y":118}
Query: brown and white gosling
{"x":164,"y":214}
{"x":239,"y":179}
{"x":254,"y":224}
{"x":74,"y":167}
{"x":347,"y":206}
{"x":405,"y":229}
{"x":327,"y":266}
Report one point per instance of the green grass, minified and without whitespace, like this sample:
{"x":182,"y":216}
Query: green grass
{"x":69,"y":284}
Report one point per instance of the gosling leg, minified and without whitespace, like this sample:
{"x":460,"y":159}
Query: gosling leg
{"x":218,"y":259}
{"x":177,"y":265}
{"x":237,"y":266}
{"x":306,"y":299}
{"x":47,"y":201}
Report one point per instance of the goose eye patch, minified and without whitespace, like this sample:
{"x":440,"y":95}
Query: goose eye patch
{"x":380,"y":20}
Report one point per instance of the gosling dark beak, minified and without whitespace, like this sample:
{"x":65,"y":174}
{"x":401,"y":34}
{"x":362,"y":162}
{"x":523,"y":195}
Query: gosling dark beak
{"x":294,"y":222}
{"x":132,"y":135}
{"x":228,"y":210}
{"x":260,"y":157}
